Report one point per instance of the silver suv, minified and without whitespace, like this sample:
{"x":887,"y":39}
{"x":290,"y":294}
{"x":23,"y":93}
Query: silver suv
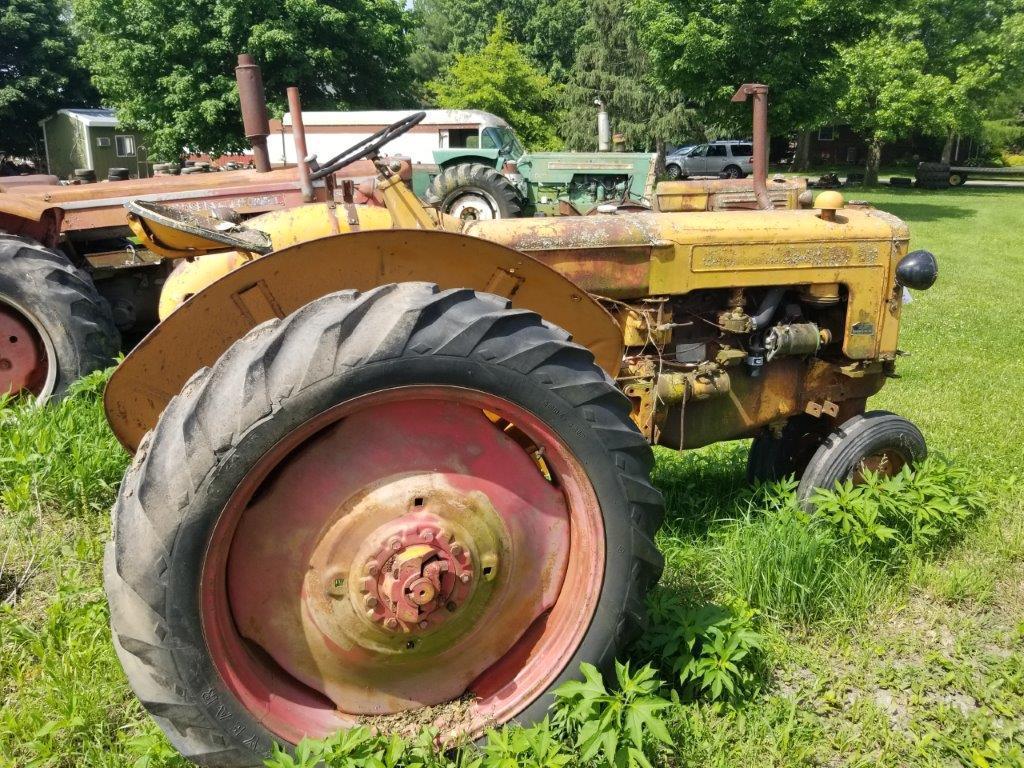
{"x":728,"y":159}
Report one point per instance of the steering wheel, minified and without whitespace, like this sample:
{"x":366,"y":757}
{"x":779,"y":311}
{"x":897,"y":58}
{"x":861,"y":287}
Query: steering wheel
{"x":368,"y":147}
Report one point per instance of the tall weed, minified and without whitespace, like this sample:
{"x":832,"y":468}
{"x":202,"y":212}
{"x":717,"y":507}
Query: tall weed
{"x":61,"y":456}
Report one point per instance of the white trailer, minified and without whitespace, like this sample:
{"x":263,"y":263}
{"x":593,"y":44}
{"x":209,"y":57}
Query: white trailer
{"x":328,"y":133}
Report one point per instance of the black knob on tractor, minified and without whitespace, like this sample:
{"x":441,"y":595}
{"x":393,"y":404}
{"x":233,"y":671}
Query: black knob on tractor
{"x":917,"y":270}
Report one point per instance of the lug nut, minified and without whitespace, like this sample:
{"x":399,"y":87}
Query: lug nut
{"x":427,"y":535}
{"x":465,"y":577}
{"x":391,"y":623}
{"x":456,"y":549}
{"x":424,"y":624}
{"x":370,"y":602}
{"x":372,"y":568}
{"x":395,"y":543}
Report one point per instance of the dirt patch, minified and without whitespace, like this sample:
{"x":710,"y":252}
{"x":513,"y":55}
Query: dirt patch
{"x":452,"y":717}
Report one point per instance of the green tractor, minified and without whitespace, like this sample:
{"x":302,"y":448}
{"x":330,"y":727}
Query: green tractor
{"x":500,"y":179}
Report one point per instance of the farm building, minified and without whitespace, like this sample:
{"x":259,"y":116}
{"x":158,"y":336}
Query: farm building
{"x":92,"y":138}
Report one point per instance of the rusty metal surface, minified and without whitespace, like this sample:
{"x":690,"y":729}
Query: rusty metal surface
{"x":33,"y":179}
{"x":725,"y":194}
{"x":23,"y":360}
{"x":760,"y":94}
{"x":301,"y":153}
{"x":430,"y":544}
{"x":784,"y":389}
{"x":159,"y":366}
{"x":92,"y":206}
{"x":296,"y":579}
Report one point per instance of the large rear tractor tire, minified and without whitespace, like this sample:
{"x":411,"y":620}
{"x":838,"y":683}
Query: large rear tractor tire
{"x":474,"y":191}
{"x":54,"y":326}
{"x":877,"y":441}
{"x":413,"y":504}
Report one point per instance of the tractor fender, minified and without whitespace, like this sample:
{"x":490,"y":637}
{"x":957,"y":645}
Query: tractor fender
{"x":200,"y":330}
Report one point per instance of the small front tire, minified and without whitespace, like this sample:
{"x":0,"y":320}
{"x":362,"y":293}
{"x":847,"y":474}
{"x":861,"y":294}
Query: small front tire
{"x":877,"y":441}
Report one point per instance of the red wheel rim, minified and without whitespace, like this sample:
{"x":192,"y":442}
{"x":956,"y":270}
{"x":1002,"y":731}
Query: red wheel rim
{"x":399,"y":551}
{"x":23,"y":357}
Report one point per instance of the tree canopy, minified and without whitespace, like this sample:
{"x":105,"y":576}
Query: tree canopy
{"x":706,"y":48}
{"x":501,"y":79}
{"x":167,"y":65}
{"x":546,"y":30}
{"x":612,"y":65}
{"x":39,"y":72}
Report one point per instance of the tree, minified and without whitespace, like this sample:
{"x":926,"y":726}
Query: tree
{"x":499,"y":78}
{"x":977,"y":45}
{"x":546,"y":29}
{"x":707,"y":48}
{"x":887,"y":94}
{"x":168,"y":65}
{"x":39,"y":72}
{"x":612,"y":65}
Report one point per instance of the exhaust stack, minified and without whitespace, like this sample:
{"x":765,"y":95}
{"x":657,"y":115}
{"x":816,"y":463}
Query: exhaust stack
{"x":253,"y":101}
{"x":604,"y":129}
{"x":760,"y":94}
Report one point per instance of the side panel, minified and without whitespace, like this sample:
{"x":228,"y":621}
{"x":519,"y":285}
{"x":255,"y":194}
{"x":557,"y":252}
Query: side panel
{"x":201,"y":330}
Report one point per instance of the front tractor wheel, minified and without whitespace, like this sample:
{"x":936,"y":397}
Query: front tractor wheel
{"x":878,"y":441}
{"x":412,"y":505}
{"x":474,"y":192}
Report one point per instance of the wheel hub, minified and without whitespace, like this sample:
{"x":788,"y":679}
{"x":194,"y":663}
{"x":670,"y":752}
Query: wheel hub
{"x":418,"y":577}
{"x":22,"y":355}
{"x":473,"y":207}
{"x":403,"y":550}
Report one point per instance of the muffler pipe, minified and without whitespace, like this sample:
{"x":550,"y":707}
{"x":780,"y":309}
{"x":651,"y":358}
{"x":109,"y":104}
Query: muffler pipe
{"x":299,"y":137}
{"x":760,"y":94}
{"x":253,"y":101}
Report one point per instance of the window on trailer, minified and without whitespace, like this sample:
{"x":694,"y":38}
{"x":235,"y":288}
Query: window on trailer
{"x":125,"y":146}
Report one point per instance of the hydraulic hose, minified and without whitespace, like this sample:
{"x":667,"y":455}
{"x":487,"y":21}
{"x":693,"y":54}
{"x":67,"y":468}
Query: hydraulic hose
{"x":769,"y":305}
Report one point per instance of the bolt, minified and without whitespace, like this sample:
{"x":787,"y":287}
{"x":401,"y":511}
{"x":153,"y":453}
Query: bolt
{"x":370,"y":601}
{"x":391,"y":623}
{"x":372,"y":568}
{"x":465,"y":577}
{"x":424,"y":624}
{"x":427,"y":535}
{"x":456,"y":549}
{"x":395,"y":543}
{"x":5,"y":365}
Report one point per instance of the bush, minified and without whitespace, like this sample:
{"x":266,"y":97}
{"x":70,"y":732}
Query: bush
{"x":711,"y":650}
{"x":912,"y":512}
{"x":63,"y":456}
{"x":619,"y":729}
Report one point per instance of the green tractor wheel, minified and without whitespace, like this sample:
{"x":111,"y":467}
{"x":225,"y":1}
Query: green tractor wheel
{"x":474,"y":191}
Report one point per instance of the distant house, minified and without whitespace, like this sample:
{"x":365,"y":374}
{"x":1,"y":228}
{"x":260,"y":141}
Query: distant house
{"x":92,"y":138}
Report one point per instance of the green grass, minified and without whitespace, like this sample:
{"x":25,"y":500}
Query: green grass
{"x":870,"y":656}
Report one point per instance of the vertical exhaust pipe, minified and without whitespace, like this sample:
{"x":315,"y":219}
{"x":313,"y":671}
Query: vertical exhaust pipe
{"x":253,"y":101}
{"x":604,"y":128}
{"x":299,"y":137}
{"x":760,"y":94}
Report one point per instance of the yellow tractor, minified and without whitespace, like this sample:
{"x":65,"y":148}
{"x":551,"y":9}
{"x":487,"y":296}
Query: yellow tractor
{"x":392,"y":467}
